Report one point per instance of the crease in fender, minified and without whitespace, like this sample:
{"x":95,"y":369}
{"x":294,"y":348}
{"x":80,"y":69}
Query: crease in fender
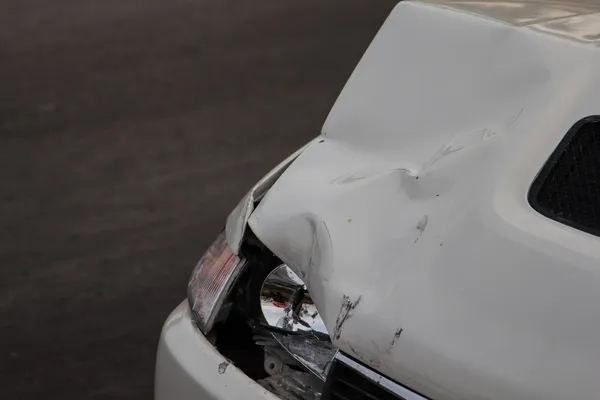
{"x":237,"y":220}
{"x":310,"y":260}
{"x":464,"y":141}
{"x":321,"y":241}
{"x":361,"y":175}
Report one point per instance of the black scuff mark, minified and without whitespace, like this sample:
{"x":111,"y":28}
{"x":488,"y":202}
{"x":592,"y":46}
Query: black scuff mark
{"x":420,"y":228}
{"x":397,"y":335}
{"x":356,"y":353}
{"x":394,"y":340}
{"x":344,"y":315}
{"x":369,"y":360}
{"x":223,"y":367}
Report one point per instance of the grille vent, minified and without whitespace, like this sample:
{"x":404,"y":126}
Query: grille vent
{"x":568,"y":187}
{"x":344,"y":383}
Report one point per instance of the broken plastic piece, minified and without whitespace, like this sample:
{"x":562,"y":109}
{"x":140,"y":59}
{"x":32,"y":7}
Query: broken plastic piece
{"x":294,"y":386}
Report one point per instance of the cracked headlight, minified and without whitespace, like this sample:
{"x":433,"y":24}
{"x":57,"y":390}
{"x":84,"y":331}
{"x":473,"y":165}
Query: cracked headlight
{"x":286,"y":303}
{"x":297,"y":349}
{"x":212,"y":280}
{"x":295,"y":323}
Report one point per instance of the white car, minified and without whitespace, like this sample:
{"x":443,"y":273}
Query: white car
{"x":440,"y":238}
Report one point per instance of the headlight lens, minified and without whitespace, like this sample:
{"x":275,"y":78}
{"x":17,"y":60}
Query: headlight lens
{"x":286,"y":303}
{"x":287,"y":306}
{"x":211,"y":282}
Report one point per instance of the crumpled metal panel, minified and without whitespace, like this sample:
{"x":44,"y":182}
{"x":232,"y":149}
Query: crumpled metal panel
{"x":238,"y":218}
{"x":409,"y":222}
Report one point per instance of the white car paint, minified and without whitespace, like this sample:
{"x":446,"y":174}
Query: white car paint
{"x":188,"y":367}
{"x":413,"y":204}
{"x":408,"y":217}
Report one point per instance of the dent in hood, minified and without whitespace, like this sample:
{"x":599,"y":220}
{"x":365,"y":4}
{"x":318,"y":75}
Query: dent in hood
{"x":238,"y":218}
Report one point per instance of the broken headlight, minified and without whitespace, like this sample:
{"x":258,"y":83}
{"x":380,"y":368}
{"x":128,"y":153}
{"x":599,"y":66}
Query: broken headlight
{"x":277,"y":311}
{"x":286,"y":303}
{"x":294,"y":336}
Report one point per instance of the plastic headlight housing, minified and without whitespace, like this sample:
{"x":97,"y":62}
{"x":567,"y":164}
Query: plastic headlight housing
{"x":212,"y":281}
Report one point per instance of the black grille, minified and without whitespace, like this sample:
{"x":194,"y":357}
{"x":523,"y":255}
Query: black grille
{"x":568,"y":187}
{"x":344,"y":383}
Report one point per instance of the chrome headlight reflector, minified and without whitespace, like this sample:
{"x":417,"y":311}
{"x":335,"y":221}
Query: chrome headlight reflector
{"x":212,"y":281}
{"x":286,"y":303}
{"x":288,"y":308}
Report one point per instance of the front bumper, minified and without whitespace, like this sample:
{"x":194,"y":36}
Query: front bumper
{"x":188,"y":367}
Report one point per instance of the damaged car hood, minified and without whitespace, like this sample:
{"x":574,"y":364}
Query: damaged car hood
{"x":409,"y":222}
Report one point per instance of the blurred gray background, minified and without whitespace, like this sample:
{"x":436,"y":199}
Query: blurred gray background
{"x":128,"y":131}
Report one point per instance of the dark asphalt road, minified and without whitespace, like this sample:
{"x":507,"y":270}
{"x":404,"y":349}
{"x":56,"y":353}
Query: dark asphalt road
{"x":129,"y":129}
